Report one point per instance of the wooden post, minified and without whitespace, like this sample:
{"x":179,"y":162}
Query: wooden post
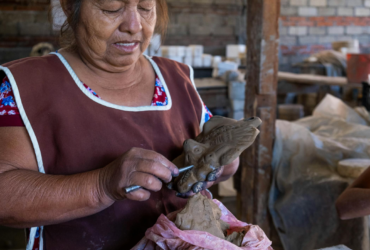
{"x":260,"y":100}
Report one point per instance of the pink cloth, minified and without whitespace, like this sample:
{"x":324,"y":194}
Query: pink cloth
{"x":165,"y":235}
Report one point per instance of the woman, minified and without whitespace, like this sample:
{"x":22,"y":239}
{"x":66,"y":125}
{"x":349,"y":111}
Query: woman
{"x":354,"y":202}
{"x":87,"y":118}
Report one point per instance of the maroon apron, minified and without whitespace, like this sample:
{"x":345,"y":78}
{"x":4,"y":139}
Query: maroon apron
{"x":77,"y":134}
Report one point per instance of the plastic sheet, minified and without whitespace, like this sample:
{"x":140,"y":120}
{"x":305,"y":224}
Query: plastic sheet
{"x":165,"y":235}
{"x":306,"y":182}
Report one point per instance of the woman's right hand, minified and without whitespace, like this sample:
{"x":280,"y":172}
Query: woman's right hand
{"x":141,"y":167}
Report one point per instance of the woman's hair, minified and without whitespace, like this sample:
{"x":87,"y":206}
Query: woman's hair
{"x":67,"y":31}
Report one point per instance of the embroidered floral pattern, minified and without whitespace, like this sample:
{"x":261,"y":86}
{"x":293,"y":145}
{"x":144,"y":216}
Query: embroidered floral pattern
{"x":208,"y":115}
{"x":5,"y":86}
{"x":160,"y":96}
{"x":91,"y":91}
{"x":7,"y":100}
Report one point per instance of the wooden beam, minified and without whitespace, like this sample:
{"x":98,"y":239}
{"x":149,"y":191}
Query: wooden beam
{"x":261,"y":78}
{"x":312,"y":79}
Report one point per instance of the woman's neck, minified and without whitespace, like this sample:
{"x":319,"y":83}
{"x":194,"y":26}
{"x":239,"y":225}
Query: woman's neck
{"x":100,"y":78}
{"x":132,"y":86}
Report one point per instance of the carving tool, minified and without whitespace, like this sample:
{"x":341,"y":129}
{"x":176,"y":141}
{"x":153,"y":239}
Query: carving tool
{"x":134,"y":188}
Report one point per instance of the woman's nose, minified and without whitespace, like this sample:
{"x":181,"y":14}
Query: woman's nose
{"x":131,"y":22}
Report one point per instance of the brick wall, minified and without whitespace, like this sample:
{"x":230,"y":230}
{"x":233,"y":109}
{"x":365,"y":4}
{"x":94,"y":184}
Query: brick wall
{"x":213,"y":23}
{"x":309,"y":26}
{"x":23,"y":23}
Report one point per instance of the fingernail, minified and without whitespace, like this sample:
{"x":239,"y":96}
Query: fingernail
{"x":197,"y":187}
{"x":175,"y":175}
{"x":170,"y":185}
{"x":211,"y":177}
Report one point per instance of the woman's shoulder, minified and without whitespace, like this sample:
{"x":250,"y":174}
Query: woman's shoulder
{"x":32,"y":62}
{"x":168,"y":63}
{"x":34,"y":70}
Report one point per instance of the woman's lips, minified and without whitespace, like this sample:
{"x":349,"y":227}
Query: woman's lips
{"x":127,"y":47}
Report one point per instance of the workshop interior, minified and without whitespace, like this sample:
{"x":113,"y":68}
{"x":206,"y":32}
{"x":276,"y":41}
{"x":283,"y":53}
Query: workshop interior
{"x":257,"y":136}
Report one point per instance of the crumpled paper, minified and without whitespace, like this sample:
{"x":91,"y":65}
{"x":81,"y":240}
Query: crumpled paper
{"x":165,"y":235}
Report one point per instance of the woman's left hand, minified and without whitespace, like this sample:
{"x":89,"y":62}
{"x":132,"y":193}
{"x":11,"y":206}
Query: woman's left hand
{"x":222,"y":174}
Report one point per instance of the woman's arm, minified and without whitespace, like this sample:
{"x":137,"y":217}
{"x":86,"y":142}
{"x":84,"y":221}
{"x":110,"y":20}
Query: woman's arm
{"x":354,"y":202}
{"x":29,"y":198}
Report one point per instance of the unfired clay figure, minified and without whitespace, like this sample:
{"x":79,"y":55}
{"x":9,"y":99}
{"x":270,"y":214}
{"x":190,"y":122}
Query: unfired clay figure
{"x":222,"y":141}
{"x":202,"y":214}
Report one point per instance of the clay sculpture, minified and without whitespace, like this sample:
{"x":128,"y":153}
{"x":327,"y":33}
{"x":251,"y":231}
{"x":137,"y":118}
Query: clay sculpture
{"x":202,"y":214}
{"x":222,"y":141}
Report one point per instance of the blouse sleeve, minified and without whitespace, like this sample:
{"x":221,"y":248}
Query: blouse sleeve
{"x":207,"y":114}
{"x":9,"y":112}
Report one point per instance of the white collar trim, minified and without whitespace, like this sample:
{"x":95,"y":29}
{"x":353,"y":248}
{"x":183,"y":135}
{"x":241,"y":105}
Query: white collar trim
{"x":115,"y":106}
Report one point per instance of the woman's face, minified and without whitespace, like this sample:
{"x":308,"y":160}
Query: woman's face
{"x":113,"y":34}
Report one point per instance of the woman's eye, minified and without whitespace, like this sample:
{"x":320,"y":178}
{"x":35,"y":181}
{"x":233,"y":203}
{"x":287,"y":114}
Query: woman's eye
{"x":144,"y":9}
{"x":111,"y":11}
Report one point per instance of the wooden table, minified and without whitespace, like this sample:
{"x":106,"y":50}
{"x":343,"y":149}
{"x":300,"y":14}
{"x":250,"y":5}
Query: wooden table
{"x":305,"y":84}
{"x":214,"y":92}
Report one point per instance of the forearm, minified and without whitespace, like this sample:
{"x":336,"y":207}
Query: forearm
{"x":353,"y":203}
{"x":30,"y":199}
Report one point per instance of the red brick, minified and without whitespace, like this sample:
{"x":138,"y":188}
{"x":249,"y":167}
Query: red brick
{"x":343,"y":23}
{"x":302,"y":50}
{"x":299,"y":47}
{"x":297,"y":19}
{"x":289,"y":23}
{"x":334,"y":18}
{"x":318,"y":46}
{"x":284,"y":18}
{"x":351,"y":18}
{"x":317,"y":18}
{"x":289,"y":53}
{"x":360,"y":23}
{"x":306,"y":23}
{"x":324,"y":23}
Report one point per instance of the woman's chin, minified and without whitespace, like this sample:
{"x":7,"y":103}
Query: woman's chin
{"x":124,"y":61}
